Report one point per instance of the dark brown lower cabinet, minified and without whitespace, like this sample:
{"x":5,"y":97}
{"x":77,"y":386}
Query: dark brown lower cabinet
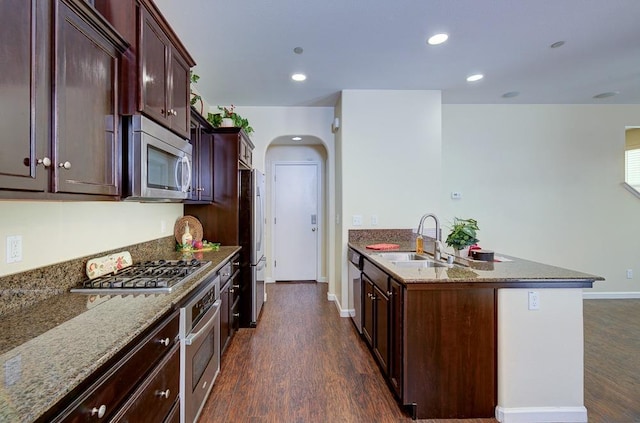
{"x":435,"y":344}
{"x":141,"y":384}
{"x":230,"y":303}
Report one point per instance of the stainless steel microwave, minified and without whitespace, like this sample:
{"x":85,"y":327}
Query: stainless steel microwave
{"x":158,"y":163}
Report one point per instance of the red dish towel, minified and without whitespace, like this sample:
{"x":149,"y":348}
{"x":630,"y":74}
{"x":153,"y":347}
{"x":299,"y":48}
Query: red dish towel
{"x":383,"y":246}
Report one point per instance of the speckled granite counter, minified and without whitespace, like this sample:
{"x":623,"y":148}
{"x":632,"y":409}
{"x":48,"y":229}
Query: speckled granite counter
{"x":51,"y":346}
{"x":517,"y":273}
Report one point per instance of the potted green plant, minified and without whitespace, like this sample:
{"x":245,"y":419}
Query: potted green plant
{"x":228,"y":117}
{"x":462,"y":235}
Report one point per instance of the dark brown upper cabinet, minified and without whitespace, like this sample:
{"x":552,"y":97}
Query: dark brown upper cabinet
{"x":59,"y":85}
{"x":156,"y":68}
{"x":202,"y":159}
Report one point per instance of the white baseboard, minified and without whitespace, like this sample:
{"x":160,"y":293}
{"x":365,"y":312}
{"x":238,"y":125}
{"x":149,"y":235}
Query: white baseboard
{"x":610,"y":295}
{"x":541,"y":414}
{"x":341,"y":311}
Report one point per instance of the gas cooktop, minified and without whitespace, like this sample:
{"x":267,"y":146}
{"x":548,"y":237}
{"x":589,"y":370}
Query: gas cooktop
{"x":150,"y":277}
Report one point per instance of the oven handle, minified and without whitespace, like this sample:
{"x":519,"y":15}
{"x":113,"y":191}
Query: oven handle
{"x":193,"y":337}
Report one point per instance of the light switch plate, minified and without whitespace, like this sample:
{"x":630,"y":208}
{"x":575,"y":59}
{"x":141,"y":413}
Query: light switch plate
{"x":357,"y":220}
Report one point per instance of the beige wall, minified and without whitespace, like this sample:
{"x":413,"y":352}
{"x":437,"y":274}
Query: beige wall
{"x":390,"y":160}
{"x":544,"y":183}
{"x":54,"y":232}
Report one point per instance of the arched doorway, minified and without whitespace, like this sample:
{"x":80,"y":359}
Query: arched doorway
{"x":296,"y":162}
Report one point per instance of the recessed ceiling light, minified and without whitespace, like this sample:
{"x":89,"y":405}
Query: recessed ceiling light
{"x":475,"y":77}
{"x":298,"y":50}
{"x":298,"y":77}
{"x":557,"y":44}
{"x":437,"y":39}
{"x":297,"y":138}
{"x":511,"y":94}
{"x":607,"y":94}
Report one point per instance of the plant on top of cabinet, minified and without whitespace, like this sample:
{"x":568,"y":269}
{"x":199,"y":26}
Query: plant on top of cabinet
{"x":463,"y":233}
{"x":216,"y":119}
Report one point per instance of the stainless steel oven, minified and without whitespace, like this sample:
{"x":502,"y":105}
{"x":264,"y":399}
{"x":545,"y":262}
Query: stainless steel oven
{"x":199,"y":348}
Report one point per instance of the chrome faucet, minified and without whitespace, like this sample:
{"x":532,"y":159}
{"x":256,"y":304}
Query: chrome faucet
{"x":437,"y":247}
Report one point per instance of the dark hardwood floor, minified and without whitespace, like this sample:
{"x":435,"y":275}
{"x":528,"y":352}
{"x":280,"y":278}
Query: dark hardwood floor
{"x":304,"y":363}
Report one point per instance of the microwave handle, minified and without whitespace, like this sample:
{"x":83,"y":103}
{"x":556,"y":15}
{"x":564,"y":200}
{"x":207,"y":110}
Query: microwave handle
{"x":183,"y":162}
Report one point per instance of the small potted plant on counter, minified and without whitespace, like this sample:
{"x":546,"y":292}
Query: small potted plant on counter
{"x":462,"y":235}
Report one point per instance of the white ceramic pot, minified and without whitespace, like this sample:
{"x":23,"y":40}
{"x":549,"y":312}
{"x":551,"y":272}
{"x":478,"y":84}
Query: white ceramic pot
{"x":227,"y":123}
{"x":462,"y":253}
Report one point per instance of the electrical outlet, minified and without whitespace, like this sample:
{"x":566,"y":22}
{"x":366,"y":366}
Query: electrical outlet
{"x":629,"y":273}
{"x":163,"y":226}
{"x":357,"y":220}
{"x":534,"y":300}
{"x":374,"y":220}
{"x":14,"y":248}
{"x":456,"y":195}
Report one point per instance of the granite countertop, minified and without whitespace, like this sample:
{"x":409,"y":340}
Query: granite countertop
{"x":515,"y":273}
{"x":50,"y":347}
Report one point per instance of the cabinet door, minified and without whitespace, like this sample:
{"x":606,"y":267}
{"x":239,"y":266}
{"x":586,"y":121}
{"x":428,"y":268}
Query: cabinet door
{"x":225,"y":317}
{"x":154,"y":53}
{"x":24,"y":89}
{"x":396,"y":313}
{"x":202,"y":182}
{"x":381,"y":329}
{"x":179,"y":110}
{"x":86,"y":141}
{"x":206,"y":167}
{"x":367,"y":310}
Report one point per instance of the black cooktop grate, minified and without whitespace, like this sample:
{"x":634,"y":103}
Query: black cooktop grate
{"x":156,"y":276}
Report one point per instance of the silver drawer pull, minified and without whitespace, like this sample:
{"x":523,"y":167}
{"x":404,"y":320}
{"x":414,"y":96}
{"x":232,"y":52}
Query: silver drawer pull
{"x":165,"y":342}
{"x":236,"y":263}
{"x":99,"y":411}
{"x":236,"y":287}
{"x":163,"y":394}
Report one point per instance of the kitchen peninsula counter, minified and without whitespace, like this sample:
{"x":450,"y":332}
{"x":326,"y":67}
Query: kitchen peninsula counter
{"x":50,"y":347}
{"x":467,"y":340}
{"x":515,"y":273}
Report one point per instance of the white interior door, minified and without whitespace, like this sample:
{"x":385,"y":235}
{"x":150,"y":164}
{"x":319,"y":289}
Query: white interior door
{"x":296,"y":221}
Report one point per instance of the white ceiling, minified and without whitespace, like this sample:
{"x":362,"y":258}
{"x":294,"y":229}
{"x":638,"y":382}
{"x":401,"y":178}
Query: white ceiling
{"x":244,"y":49}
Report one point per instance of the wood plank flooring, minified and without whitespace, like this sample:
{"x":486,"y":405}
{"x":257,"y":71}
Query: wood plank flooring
{"x":304,"y":363}
{"x":612,"y":360}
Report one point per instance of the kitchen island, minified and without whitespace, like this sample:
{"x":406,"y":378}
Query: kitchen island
{"x":51,"y":348}
{"x":460,"y":341}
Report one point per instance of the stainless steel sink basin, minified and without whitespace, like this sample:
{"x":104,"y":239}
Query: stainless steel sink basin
{"x":398,"y":256}
{"x":414,"y":264}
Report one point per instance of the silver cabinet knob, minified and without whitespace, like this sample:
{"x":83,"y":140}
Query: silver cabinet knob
{"x":389,"y":293}
{"x":313,"y":229}
{"x":231,"y":290}
{"x":199,"y":189}
{"x":165,"y":342}
{"x":236,"y":286}
{"x":164,"y":394}
{"x":100,"y":412}
{"x":66,"y":165}
{"x":45,"y":161}
{"x":236,"y":315}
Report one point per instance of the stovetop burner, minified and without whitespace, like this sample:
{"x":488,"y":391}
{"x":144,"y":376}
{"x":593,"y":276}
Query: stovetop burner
{"x":149,"y":277}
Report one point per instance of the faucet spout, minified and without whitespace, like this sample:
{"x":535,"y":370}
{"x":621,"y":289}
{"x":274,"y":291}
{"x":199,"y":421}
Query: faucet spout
{"x":437,"y":247}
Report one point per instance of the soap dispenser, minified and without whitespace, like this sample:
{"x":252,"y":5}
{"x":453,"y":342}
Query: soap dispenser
{"x":419,"y":244}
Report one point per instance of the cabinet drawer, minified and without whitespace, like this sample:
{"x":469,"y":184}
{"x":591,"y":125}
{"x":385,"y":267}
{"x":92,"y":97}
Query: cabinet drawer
{"x":377,"y":276}
{"x":152,"y":402}
{"x":115,"y":386}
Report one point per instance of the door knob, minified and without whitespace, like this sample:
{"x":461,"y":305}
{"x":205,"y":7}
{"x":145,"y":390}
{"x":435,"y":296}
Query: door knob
{"x":313,"y":229}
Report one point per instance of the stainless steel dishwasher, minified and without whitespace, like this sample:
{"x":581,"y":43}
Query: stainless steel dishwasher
{"x":355,"y":282}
